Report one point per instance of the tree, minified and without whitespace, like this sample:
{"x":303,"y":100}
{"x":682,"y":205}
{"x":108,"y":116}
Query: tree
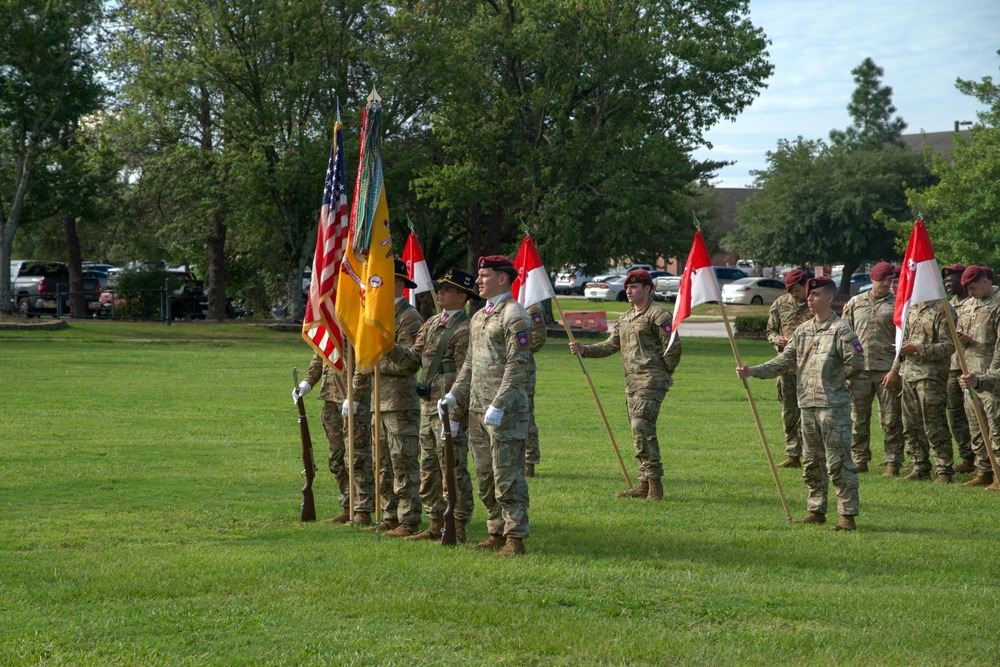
{"x":871,"y":110}
{"x":817,"y":204}
{"x":47,"y":83}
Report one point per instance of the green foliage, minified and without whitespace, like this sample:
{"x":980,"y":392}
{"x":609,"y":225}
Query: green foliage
{"x":139,"y":294}
{"x":871,"y":110}
{"x":750,"y":323}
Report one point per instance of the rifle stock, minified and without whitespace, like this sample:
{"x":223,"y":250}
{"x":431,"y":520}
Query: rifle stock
{"x":309,"y":466}
{"x":448,"y":537}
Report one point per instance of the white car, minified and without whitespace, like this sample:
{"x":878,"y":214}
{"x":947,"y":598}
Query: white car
{"x":571,"y":282}
{"x":752,"y":291}
{"x":612,"y":289}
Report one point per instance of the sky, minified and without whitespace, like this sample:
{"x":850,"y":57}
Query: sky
{"x":923,"y":46}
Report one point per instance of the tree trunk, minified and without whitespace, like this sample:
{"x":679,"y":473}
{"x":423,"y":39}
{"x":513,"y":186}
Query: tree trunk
{"x":845,"y":279}
{"x":77,"y":300}
{"x":216,"y":246}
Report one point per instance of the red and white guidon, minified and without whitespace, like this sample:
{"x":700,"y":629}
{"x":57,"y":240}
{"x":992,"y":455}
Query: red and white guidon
{"x":698,"y":284}
{"x":919,"y":278}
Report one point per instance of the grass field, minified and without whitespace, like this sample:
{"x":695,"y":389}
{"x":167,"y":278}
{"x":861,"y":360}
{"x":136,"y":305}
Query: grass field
{"x":149,"y":516}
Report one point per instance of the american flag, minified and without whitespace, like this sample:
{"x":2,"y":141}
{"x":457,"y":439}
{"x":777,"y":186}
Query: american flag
{"x":319,"y":326}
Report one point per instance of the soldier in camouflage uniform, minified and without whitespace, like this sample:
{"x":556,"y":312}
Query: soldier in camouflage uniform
{"x":333,"y":394}
{"x":952,"y":277}
{"x":870,"y":315}
{"x":642,"y":334}
{"x":439,"y":350}
{"x":533,"y":454}
{"x":786,"y":314}
{"x":490,"y":389}
{"x":399,"y":405}
{"x":979,"y":334}
{"x":825,"y":353}
{"x":923,"y":361}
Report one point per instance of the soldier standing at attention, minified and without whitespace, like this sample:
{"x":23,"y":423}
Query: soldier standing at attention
{"x":440,"y":349}
{"x":334,"y":394}
{"x":952,"y":276}
{"x":490,"y":389}
{"x":923,"y":361}
{"x":786,"y":314}
{"x":399,"y":477}
{"x":978,"y":324}
{"x":825,"y":353}
{"x":642,"y":334}
{"x":533,"y":454}
{"x":869,"y":314}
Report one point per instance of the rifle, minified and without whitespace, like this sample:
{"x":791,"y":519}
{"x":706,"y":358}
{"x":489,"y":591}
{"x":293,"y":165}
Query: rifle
{"x":448,"y":537}
{"x":308,"y":502}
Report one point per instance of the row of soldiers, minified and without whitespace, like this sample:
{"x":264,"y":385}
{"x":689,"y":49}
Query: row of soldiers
{"x":919,"y":390}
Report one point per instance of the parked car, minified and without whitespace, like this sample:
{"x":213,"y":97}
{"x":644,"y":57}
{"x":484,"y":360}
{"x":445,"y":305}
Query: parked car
{"x":188,"y":299}
{"x":571,"y":281}
{"x":666,"y":288}
{"x":752,"y":291}
{"x":610,"y":289}
{"x":858,"y":280}
{"x":35,"y":287}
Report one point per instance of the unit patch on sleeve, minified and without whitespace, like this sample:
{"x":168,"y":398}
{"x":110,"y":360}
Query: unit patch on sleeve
{"x":522,"y":338}
{"x":857,"y":346}
{"x":537,"y":318}
{"x":666,"y":327}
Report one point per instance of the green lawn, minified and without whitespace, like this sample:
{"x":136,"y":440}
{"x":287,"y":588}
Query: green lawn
{"x":149,"y":516}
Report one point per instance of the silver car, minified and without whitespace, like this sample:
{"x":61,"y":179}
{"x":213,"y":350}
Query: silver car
{"x":752,"y":291}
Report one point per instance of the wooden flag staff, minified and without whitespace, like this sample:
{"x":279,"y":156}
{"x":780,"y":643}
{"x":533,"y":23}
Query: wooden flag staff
{"x":349,"y":354}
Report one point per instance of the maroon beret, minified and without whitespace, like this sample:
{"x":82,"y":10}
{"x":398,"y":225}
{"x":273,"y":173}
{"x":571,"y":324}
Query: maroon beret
{"x":954,"y":268}
{"x":881,"y":271}
{"x":638,"y":276}
{"x":494,"y":262}
{"x":972,"y":274}
{"x":816,"y":283}
{"x":794,"y":277}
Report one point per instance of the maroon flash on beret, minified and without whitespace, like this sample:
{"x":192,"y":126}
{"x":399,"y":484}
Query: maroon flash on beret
{"x":816,"y":283}
{"x":794,"y":277}
{"x":494,"y":262}
{"x":881,"y":271}
{"x":638,"y":276}
{"x":954,"y":268}
{"x":972,"y":274}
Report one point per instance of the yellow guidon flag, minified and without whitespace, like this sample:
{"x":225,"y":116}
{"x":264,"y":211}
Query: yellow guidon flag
{"x":366,"y":296}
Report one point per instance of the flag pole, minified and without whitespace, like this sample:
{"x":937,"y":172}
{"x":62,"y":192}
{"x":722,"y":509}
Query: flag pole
{"x":349,"y":353}
{"x":977,"y":407}
{"x":593,"y":391}
{"x":756,"y":415}
{"x":376,"y":437}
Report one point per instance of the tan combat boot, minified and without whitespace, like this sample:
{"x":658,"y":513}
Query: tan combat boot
{"x":884,"y":463}
{"x":967,"y":465}
{"x":918,"y":476}
{"x":433,"y":532}
{"x":942,"y":478}
{"x":493,"y":543}
{"x":891,"y":470}
{"x":460,"y":535}
{"x":514,"y":547}
{"x":401,"y":530}
{"x":640,"y":491}
{"x":982,"y":478}
{"x":529,"y":469}
{"x":790,"y":462}
{"x":812,"y":517}
{"x":845,"y":523}
{"x":655,"y":490}
{"x":994,"y":486}
{"x":862,"y":466}
{"x":385,"y":525}
{"x":362,"y":519}
{"x":343,"y":517}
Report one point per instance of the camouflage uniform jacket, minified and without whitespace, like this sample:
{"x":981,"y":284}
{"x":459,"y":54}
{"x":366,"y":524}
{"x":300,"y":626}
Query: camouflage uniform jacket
{"x":989,"y":381}
{"x":496,"y":366}
{"x":927,"y":328}
{"x":957,"y":303}
{"x":424,"y":349}
{"x":642,"y":337}
{"x":980,"y":318}
{"x":871,"y":319}
{"x":783,"y":318}
{"x":334,"y":384}
{"x":824,"y":355}
{"x":398,"y":390}
{"x":538,"y":333}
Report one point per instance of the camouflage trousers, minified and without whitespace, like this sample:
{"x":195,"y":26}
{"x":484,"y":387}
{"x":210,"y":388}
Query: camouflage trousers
{"x":826,"y":457}
{"x":399,"y":465}
{"x":789,"y":398}
{"x":643,"y":411}
{"x":956,"y":416}
{"x":532,"y":453}
{"x":864,"y":388}
{"x":925,"y":425}
{"x":991,"y":411}
{"x":498,"y":455}
{"x":432,"y":491}
{"x":335,"y":427}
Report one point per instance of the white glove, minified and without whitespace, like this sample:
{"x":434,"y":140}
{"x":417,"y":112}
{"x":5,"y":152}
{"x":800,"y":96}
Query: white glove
{"x":300,"y":391}
{"x":448,"y":400}
{"x":348,"y":406}
{"x":493,"y":416}
{"x":454,"y":425}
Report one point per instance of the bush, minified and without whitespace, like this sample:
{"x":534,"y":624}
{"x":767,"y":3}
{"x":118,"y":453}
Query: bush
{"x":751,"y":323}
{"x":130,"y":302}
